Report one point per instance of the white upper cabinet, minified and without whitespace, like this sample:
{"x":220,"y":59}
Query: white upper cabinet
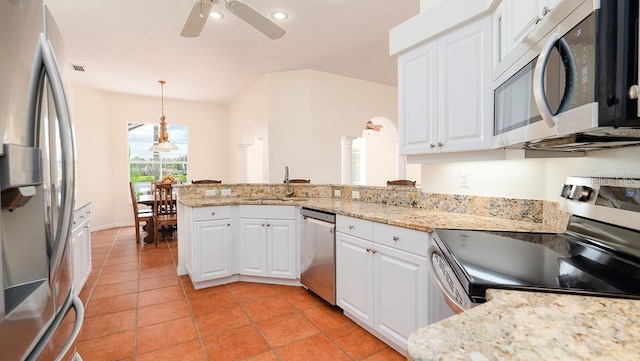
{"x":418,"y":95}
{"x":445,"y":95}
{"x":514,"y":19}
{"x":466,"y":97}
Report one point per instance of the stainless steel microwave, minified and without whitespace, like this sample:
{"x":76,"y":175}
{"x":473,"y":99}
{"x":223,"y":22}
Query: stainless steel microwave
{"x":572,"y":84}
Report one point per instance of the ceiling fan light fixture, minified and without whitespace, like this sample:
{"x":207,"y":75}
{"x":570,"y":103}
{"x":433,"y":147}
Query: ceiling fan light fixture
{"x":216,"y":15}
{"x":280,"y":15}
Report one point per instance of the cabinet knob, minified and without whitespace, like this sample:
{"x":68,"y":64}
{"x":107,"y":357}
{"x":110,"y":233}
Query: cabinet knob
{"x":634,"y":91}
{"x":262,"y":224}
{"x":432,"y":145}
{"x":537,"y":19}
{"x":268,"y":225}
{"x":440,"y":144}
{"x":213,"y":213}
{"x":351,"y":226}
{"x":545,"y":10}
{"x":396,"y":238}
{"x":374,"y":251}
{"x":368,"y":249}
{"x":228,"y":224}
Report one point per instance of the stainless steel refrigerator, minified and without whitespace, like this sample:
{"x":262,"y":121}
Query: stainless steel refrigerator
{"x":40,"y":316}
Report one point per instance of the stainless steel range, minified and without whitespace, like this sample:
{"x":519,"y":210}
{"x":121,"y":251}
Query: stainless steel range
{"x":599,"y":254}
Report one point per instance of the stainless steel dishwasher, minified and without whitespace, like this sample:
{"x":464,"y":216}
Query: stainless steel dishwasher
{"x":318,"y":253}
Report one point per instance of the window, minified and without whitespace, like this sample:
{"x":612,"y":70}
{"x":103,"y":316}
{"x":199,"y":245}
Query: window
{"x":358,"y":165}
{"x":146,"y":166}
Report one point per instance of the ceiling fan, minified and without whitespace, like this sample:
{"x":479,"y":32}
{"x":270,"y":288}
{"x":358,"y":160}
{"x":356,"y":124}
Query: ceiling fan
{"x":201,"y":9}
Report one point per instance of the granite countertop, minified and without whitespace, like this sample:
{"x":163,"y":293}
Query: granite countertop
{"x":413,"y":218}
{"x":518,"y":325}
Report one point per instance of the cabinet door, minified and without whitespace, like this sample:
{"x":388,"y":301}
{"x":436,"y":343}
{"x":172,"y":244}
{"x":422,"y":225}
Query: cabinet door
{"x":186,"y":239}
{"x":418,"y":100}
{"x":212,"y":249}
{"x":84,"y":238}
{"x":400,"y":293}
{"x":354,"y":277}
{"x":521,"y":17}
{"x":76,"y":252}
{"x":253,"y":247}
{"x":465,"y":96}
{"x":281,"y":248}
{"x":500,"y":49}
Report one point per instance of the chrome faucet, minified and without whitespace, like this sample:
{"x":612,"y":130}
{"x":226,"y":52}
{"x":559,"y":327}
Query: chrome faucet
{"x":288,"y":191}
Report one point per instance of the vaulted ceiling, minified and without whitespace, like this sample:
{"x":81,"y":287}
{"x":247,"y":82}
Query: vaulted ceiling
{"x":126,"y":46}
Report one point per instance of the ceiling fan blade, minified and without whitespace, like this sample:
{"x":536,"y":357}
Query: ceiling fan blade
{"x":196,"y":20}
{"x":252,"y":17}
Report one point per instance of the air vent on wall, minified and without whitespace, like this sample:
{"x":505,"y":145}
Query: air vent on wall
{"x":78,"y":67}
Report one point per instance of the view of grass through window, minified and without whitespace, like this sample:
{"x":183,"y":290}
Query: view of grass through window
{"x":146,"y":166}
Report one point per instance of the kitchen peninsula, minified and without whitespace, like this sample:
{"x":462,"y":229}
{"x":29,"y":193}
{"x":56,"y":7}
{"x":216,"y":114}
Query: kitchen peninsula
{"x":225,"y":256}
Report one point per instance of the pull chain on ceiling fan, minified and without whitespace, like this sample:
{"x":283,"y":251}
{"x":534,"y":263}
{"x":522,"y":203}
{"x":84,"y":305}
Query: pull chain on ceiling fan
{"x":201,"y":9}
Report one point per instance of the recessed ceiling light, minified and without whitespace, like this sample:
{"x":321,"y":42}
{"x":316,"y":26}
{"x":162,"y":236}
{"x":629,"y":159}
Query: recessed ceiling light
{"x":279,"y":15}
{"x":216,"y":15}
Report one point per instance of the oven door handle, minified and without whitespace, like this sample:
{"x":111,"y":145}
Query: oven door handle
{"x":448,"y":298}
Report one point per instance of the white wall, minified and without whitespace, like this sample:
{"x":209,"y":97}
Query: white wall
{"x":248,"y":116}
{"x":310,"y":111}
{"x":307,"y":113}
{"x":101,"y":119}
{"x":528,"y":178}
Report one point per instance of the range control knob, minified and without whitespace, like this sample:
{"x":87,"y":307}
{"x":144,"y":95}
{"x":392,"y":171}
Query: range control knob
{"x":582,"y":193}
{"x":566,"y":191}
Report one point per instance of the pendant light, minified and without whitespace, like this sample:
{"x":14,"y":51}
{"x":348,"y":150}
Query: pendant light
{"x":163,"y":145}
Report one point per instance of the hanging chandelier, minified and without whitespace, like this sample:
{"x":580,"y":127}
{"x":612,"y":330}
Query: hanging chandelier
{"x":163,"y":144}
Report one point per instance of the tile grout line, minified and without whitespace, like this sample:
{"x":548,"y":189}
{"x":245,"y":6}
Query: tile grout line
{"x":95,"y":282}
{"x":253,"y":322}
{"x":135,"y":328}
{"x":186,"y":299}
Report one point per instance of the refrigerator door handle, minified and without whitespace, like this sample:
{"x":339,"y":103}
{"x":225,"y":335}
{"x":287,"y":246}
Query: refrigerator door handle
{"x":45,"y":58}
{"x":74,"y":302}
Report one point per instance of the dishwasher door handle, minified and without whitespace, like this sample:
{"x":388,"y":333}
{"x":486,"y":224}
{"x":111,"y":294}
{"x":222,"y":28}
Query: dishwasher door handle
{"x":332,"y":226}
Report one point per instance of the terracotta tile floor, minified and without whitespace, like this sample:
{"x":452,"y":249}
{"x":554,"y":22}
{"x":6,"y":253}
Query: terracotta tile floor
{"x":137,"y":308}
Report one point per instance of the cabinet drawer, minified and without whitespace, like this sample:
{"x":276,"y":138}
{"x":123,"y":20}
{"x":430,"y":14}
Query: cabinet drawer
{"x":210,"y":213}
{"x":270,"y":212}
{"x":355,"y":227}
{"x":409,"y":240}
{"x":81,"y":214}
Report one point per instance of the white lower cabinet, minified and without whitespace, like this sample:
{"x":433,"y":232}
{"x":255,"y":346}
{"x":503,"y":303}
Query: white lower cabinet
{"x":268,"y":246}
{"x":400,"y":293}
{"x":209,"y":255}
{"x":354,"y":277}
{"x":383,"y":287}
{"x":81,"y":246}
{"x":212,"y":249}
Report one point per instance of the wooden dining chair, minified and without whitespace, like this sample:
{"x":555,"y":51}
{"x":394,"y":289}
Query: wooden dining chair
{"x":206,"y":181}
{"x":164,"y":209}
{"x":401,"y":182}
{"x":299,"y":180}
{"x":139,"y":215}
